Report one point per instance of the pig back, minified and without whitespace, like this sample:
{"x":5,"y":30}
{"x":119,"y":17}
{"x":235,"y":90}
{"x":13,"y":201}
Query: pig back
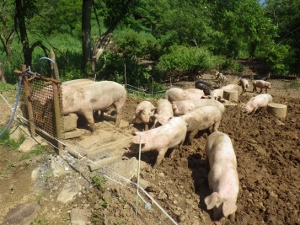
{"x":219,"y":149}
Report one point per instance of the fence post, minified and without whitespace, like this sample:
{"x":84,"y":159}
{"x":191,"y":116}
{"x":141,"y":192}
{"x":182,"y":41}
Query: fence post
{"x":28,"y":102}
{"x":55,"y":75}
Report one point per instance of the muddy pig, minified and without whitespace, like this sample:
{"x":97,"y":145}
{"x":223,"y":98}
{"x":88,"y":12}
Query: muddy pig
{"x":204,"y":86}
{"x":222,"y":178}
{"x":183,"y":107}
{"x":261,"y":84}
{"x":161,"y":138}
{"x":202,"y":119}
{"x":97,"y":96}
{"x":176,"y":94}
{"x":256,"y":102}
{"x":144,"y":112}
{"x":244,"y":84}
{"x":164,"y":112}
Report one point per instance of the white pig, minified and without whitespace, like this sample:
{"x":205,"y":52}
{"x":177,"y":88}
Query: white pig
{"x":94,"y":97}
{"x":183,"y":107}
{"x":256,"y":102}
{"x":261,"y":84}
{"x":222,"y":178}
{"x":164,"y":112}
{"x":144,"y":112}
{"x":216,"y":94}
{"x":202,"y":119}
{"x":161,"y":138}
{"x":176,"y":94}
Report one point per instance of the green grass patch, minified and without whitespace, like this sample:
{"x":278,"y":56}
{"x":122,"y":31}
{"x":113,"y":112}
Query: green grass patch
{"x":37,"y":151}
{"x":7,"y":87}
{"x":294,"y":84}
{"x":8,"y":167}
{"x":98,"y":181}
{"x":6,"y":141}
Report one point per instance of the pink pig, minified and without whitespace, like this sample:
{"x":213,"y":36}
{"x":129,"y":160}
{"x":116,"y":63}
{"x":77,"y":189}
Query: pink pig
{"x":176,"y":94}
{"x":259,"y":101}
{"x":93,"y":97}
{"x":144,"y":112}
{"x":164,"y":112}
{"x":202,"y":118}
{"x":161,"y":138}
{"x":183,"y":107}
{"x":261,"y":84}
{"x":222,"y":178}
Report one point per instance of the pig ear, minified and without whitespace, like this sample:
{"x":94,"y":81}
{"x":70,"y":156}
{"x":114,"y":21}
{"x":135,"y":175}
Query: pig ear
{"x":174,"y":106}
{"x":228,"y":208}
{"x":153,"y":108}
{"x":211,"y":200}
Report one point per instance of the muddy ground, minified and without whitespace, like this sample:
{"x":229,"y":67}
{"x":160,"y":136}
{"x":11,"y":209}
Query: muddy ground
{"x":267,"y":151}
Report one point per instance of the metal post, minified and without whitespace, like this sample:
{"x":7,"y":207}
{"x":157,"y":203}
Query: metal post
{"x":28,"y":102}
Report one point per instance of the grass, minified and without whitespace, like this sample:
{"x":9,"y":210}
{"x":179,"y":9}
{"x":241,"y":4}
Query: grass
{"x":8,"y":167}
{"x":294,"y":84}
{"x":6,"y":141}
{"x":37,"y":151}
{"x":98,"y":181}
{"x":7,"y":87}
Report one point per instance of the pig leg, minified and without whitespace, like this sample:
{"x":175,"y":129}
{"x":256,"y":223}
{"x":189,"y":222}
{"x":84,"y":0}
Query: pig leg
{"x":160,"y":157}
{"x":191,"y":136}
{"x":215,"y":126}
{"x":146,"y":126}
{"x":232,"y":217}
{"x":260,"y":90}
{"x":89,"y":115}
{"x":254,"y":89}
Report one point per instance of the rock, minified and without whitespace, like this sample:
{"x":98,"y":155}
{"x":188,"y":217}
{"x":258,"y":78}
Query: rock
{"x":79,"y":216}
{"x":22,"y":214}
{"x":59,"y":166}
{"x":30,"y":143}
{"x":68,"y":192}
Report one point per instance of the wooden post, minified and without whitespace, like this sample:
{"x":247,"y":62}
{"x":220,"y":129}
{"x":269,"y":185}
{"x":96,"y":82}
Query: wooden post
{"x":2,"y":73}
{"x":54,"y":68}
{"x":55,"y":75}
{"x":28,"y":102}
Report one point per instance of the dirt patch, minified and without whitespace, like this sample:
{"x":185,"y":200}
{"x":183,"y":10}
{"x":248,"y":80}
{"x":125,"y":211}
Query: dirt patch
{"x":267,"y":152}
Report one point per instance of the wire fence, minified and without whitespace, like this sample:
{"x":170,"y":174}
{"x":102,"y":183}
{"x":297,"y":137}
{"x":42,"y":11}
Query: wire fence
{"x":144,"y":208}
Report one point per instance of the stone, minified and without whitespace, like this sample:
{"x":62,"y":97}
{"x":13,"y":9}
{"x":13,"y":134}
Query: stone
{"x":79,"y":216}
{"x":70,"y":122}
{"x":68,"y":192}
{"x":73,"y":133}
{"x":22,"y":214}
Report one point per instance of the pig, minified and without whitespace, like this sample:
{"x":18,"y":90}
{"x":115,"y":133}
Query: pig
{"x":259,"y":101}
{"x":176,"y":94}
{"x":161,"y":138}
{"x":216,"y":94}
{"x":222,"y":178}
{"x":202,"y":119}
{"x":77,"y":82}
{"x":203,"y":86}
{"x":144,"y":112}
{"x":221,"y":79}
{"x":94,"y":97}
{"x":244,"y":84}
{"x":183,"y":107}
{"x":232,"y":87}
{"x":261,"y":84}
{"x":164,"y":112}
{"x":203,"y":82}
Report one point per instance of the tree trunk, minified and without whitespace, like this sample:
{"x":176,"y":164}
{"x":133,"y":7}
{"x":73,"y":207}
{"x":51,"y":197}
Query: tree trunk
{"x":2,"y":74}
{"x":23,"y":32}
{"x":86,"y":32}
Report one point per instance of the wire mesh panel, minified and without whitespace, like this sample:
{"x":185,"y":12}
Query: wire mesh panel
{"x":42,"y":100}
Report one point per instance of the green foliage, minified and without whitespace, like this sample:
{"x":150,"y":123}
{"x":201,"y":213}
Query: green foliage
{"x":40,"y":221}
{"x":98,"y":181}
{"x":231,"y":66}
{"x":6,"y":141}
{"x":37,"y":151}
{"x":7,"y":87}
{"x":186,"y":59}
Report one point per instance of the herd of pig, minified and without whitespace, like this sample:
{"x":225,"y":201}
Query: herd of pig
{"x":177,"y":117}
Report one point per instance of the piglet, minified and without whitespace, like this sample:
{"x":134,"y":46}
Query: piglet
{"x":164,"y":112}
{"x":200,"y":119}
{"x":204,"y":86}
{"x":144,"y":112}
{"x":262,"y":85}
{"x":244,"y":84}
{"x":161,"y":138}
{"x":222,"y":178}
{"x":259,"y":101}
